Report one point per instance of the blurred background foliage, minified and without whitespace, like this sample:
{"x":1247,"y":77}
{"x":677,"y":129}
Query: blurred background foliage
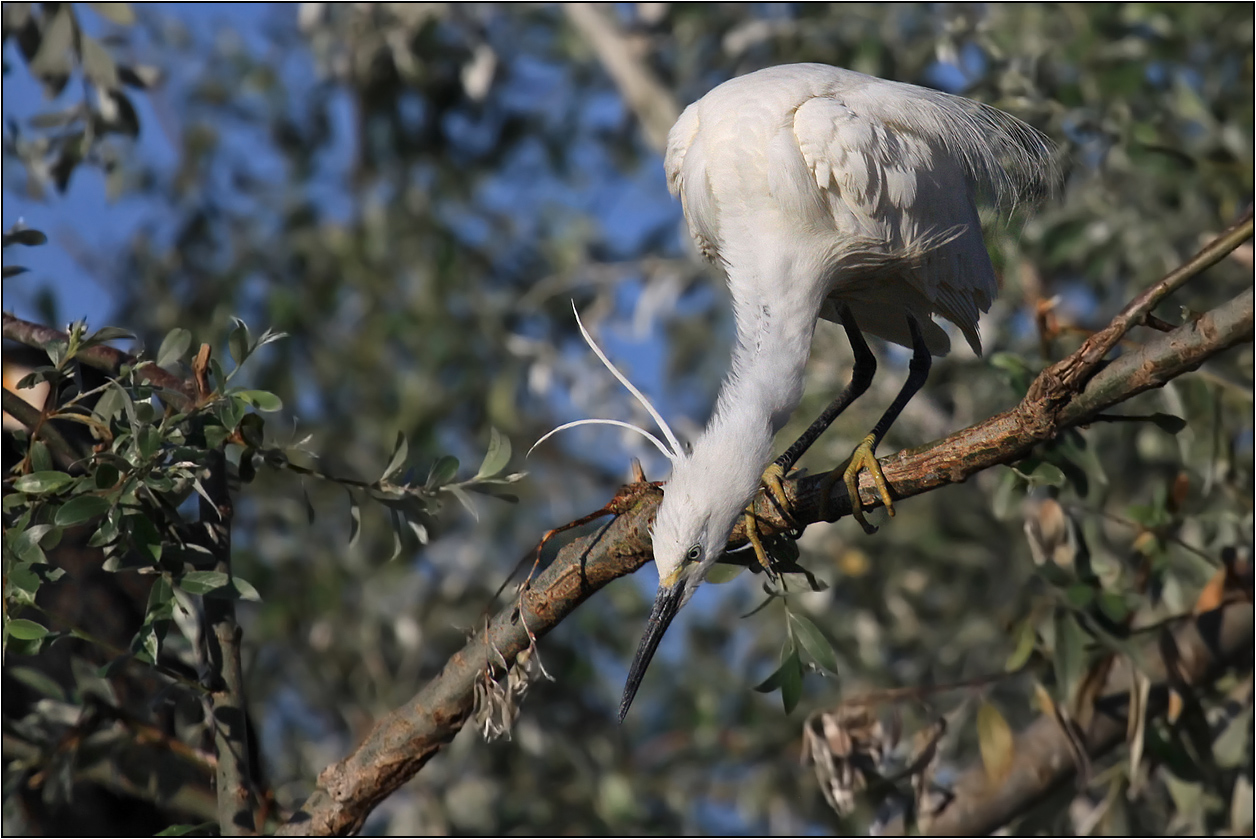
{"x":416,"y":193}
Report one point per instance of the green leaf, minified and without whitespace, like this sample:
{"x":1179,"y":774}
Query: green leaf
{"x":1047,"y":474}
{"x":1079,"y":595}
{"x":80,"y":509}
{"x":814,"y":642}
{"x":464,"y":499}
{"x":25,"y":236}
{"x":146,"y":645}
{"x":174,"y":346}
{"x":107,"y":333}
{"x":400,"y":449}
{"x":42,"y":482}
{"x":25,"y":630}
{"x":1168,"y":423}
{"x":497,"y":456}
{"x":263,"y":400}
{"x":202,"y":582}
{"x":253,"y":429}
{"x":41,"y":458}
{"x":724,"y":572}
{"x":443,"y":471}
{"x":772,"y":682}
{"x":36,"y":680}
{"x":246,"y":590}
{"x":144,"y":537}
{"x":1026,"y":640}
{"x":160,"y":600}
{"x":149,"y":440}
{"x":239,"y":343}
{"x":113,"y":402}
{"x":107,"y":476}
{"x":791,"y":681}
{"x":1070,"y":656}
{"x":22,"y":583}
{"x":1113,"y":605}
{"x":56,"y":350}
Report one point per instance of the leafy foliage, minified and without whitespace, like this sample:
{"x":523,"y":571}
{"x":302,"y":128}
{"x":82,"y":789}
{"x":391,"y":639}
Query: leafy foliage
{"x":411,"y":196}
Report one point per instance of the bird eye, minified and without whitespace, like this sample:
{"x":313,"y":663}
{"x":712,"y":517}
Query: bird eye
{"x":695,"y":553}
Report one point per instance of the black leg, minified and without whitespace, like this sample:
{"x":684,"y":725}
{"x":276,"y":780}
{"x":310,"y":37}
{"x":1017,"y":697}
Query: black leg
{"x":860,"y":378}
{"x":917,"y":373}
{"x":864,"y":457}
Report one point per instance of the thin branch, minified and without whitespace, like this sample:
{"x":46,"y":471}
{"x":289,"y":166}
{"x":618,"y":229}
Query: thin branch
{"x":1072,"y":372}
{"x":402,"y":742}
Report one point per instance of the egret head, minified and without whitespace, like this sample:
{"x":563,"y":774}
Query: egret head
{"x":690,"y":531}
{"x":701,"y":501}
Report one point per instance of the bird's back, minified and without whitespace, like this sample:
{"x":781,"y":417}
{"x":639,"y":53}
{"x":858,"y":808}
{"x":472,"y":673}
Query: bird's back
{"x":867,"y":184}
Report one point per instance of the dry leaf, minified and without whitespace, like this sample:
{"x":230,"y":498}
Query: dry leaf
{"x":994,"y":736}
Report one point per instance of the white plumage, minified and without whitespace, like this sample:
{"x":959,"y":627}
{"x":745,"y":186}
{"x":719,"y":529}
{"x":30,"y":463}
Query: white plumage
{"x":820,"y":191}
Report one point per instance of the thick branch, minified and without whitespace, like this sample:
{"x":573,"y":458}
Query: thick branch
{"x":1043,"y":758}
{"x":402,"y":742}
{"x":1011,"y":436}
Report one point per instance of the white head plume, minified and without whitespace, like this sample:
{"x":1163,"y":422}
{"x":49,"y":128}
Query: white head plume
{"x":671,"y":449}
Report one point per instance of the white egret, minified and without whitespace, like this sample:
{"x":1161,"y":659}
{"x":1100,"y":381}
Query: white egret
{"x":823,"y":193}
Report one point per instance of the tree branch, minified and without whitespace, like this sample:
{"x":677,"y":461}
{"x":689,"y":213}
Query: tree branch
{"x":41,"y":428}
{"x":402,"y":742}
{"x":654,"y":104}
{"x":101,"y":357}
{"x":236,"y":778}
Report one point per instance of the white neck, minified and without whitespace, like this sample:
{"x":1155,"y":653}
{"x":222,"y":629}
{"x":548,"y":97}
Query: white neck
{"x":763,"y":388}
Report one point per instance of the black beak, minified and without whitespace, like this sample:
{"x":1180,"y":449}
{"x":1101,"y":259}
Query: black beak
{"x":666,"y":605}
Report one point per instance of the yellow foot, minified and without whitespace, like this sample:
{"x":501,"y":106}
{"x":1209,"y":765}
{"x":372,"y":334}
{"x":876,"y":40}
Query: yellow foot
{"x":775,"y":490}
{"x":863,"y":458}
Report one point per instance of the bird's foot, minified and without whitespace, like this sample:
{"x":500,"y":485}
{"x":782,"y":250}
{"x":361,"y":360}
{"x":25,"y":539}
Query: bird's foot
{"x":774,"y":488}
{"x":863,"y":458}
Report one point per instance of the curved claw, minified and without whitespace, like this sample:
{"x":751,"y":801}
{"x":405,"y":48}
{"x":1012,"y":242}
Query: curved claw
{"x":864,"y":458}
{"x":774,"y":489}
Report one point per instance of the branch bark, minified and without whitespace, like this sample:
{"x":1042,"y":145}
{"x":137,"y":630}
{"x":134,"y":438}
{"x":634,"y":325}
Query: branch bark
{"x":402,"y":742}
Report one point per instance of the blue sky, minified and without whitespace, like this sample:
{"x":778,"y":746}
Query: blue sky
{"x":82,"y":224}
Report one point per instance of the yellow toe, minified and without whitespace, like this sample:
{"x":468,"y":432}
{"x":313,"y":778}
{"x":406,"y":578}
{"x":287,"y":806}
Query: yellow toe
{"x":862,"y":459}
